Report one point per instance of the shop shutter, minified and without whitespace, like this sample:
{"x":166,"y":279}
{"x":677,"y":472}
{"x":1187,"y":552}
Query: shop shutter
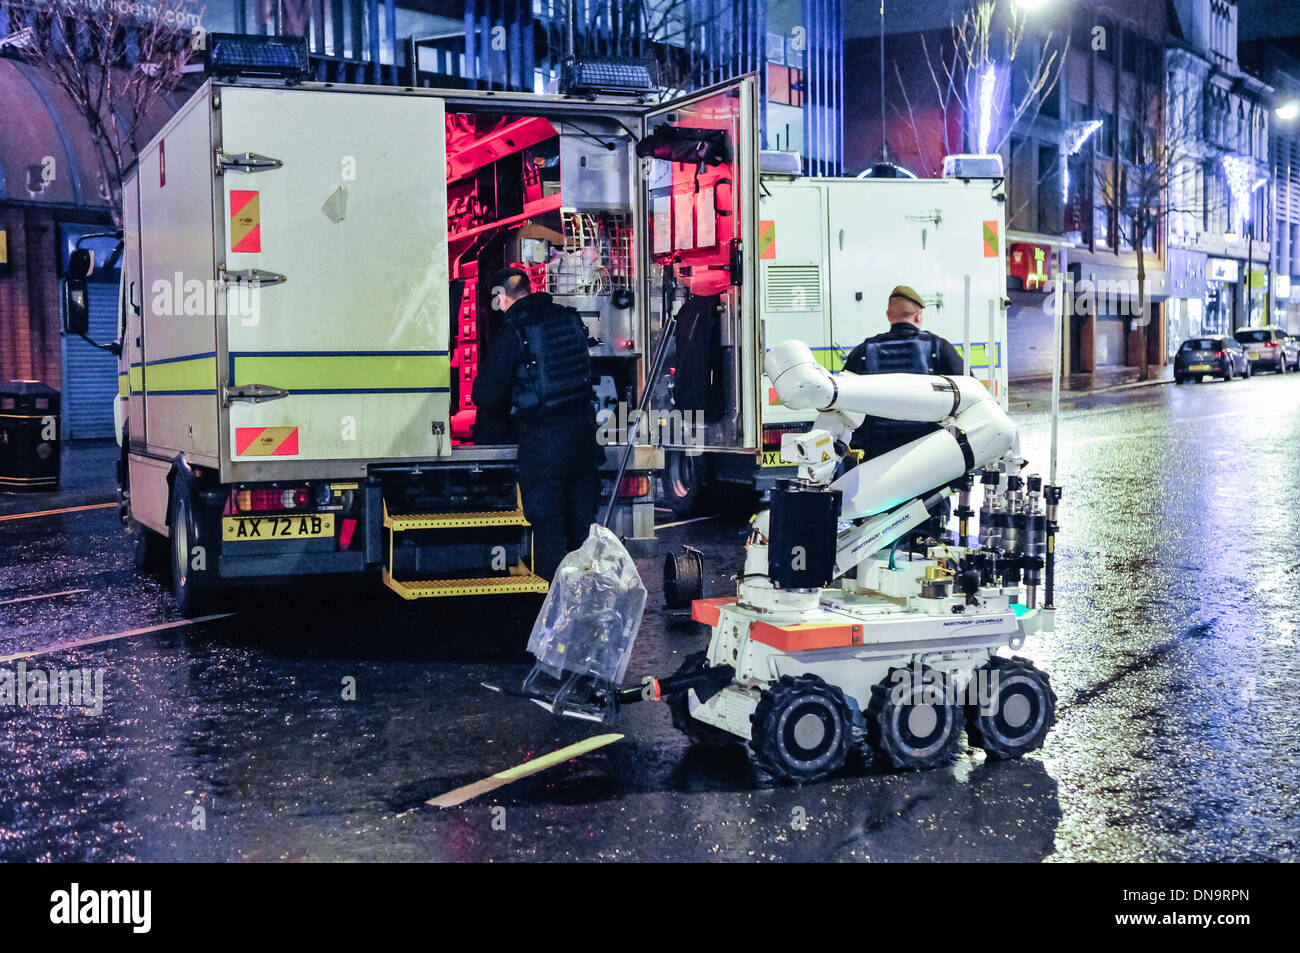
{"x":89,"y":374}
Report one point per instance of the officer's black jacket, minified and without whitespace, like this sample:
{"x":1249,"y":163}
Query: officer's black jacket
{"x":559,"y":442}
{"x":879,"y":435}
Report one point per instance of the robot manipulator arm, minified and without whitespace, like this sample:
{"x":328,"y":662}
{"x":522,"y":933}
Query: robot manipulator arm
{"x":977,"y":433}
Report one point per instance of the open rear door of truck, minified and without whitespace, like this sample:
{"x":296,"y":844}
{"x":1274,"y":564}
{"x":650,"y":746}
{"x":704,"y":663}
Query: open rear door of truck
{"x":699,"y":168}
{"x":332,"y":236}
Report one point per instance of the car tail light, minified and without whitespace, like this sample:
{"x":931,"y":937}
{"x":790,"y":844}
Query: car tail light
{"x":632,"y":486}
{"x":1220,"y":354}
{"x":272,"y":498}
{"x":1271,"y":344}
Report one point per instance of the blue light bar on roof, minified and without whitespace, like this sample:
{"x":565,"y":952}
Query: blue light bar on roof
{"x":234,"y":54}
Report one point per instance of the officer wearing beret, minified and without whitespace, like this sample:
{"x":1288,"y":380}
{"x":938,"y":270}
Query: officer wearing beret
{"x":904,"y":349}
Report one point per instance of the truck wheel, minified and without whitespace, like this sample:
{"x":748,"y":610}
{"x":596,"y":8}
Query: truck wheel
{"x":800,"y":729}
{"x":914,"y":724}
{"x":696,"y":731}
{"x":148,"y":549}
{"x":685,"y":482}
{"x":1023,"y":713}
{"x":187,"y":589}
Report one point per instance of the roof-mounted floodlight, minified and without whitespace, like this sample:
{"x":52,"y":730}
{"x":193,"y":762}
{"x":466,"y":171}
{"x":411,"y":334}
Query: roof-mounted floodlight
{"x":778,"y":163}
{"x":966,"y":166}
{"x":579,"y":77}
{"x":277,"y":57}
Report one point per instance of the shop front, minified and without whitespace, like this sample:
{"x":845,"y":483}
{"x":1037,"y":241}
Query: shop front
{"x":1185,"y":309}
{"x":1221,"y":277}
{"x":1030,"y":267}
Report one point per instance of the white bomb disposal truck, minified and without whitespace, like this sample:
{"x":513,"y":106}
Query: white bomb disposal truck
{"x":830,"y":251}
{"x":304,"y":302}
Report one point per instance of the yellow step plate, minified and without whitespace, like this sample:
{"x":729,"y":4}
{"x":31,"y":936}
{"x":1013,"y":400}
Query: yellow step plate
{"x":409,"y":521}
{"x":486,"y":586}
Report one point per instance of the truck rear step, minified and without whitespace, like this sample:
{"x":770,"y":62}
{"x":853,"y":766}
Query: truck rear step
{"x":525,"y":581}
{"x":518,"y":578}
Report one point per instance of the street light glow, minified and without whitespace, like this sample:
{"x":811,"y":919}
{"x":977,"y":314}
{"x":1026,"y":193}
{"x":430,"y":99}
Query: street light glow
{"x":1288,"y":110}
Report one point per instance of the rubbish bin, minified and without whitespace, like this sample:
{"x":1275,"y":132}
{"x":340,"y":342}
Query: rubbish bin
{"x":29,"y":436}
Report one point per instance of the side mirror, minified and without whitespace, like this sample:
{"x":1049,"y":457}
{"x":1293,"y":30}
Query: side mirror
{"x":76,"y":306}
{"x":81,"y":263}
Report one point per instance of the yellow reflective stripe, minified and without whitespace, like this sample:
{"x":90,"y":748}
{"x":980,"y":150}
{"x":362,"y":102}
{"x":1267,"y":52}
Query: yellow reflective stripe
{"x":122,"y":388}
{"x":136,"y":379}
{"x":196,"y":373}
{"x":344,"y":372}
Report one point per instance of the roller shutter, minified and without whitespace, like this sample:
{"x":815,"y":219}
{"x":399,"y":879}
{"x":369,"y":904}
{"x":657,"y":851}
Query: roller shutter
{"x":89,"y":374}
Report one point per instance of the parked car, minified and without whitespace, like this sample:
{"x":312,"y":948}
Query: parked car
{"x":1214,"y":355}
{"x":1268,"y":347}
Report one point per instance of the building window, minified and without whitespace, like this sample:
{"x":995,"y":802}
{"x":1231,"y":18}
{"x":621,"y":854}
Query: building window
{"x":784,"y":85}
{"x":1049,"y":190}
{"x":1105,"y":136}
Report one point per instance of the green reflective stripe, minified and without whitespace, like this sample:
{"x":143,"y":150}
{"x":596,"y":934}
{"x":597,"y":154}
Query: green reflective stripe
{"x":196,"y":373}
{"x":344,"y":372}
{"x":829,"y":358}
{"x":979,"y":354}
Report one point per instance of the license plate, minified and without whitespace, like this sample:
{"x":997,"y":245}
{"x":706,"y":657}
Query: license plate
{"x":1256,"y":355}
{"x":242,"y":529}
{"x":1198,"y":367}
{"x":772,"y":458}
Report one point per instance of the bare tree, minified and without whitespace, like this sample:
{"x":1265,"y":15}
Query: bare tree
{"x":1151,"y":178}
{"x":992,"y":54}
{"x":113,"y":61}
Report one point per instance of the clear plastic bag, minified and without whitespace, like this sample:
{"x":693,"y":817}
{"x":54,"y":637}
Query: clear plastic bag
{"x":589,"y":621}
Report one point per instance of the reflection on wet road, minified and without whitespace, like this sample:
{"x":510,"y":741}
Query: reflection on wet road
{"x":1174,"y":660}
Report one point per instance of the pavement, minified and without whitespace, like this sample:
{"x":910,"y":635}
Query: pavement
{"x":315,"y":721}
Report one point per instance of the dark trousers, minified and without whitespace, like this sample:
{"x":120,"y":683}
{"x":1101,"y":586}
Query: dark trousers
{"x":560,"y":507}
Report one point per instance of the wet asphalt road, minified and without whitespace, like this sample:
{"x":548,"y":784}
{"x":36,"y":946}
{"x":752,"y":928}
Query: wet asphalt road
{"x":1174,"y":660}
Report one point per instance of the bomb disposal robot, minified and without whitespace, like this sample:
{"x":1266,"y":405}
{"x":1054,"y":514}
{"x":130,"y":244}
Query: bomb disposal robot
{"x":904,"y":656}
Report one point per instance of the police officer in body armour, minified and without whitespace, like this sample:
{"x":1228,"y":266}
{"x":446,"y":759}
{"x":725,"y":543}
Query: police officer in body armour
{"x":903,"y":349}
{"x":539,"y":372}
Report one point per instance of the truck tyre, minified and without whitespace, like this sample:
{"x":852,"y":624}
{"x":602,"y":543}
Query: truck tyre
{"x":908,"y":726}
{"x":685,"y":482}
{"x":1025,"y":711}
{"x":800,"y":730}
{"x":187,"y":587}
{"x":696,"y":731}
{"x":148,"y":549}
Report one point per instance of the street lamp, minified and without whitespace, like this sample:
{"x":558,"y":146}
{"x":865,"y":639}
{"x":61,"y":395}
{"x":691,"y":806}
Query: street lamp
{"x":1288,"y":110}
